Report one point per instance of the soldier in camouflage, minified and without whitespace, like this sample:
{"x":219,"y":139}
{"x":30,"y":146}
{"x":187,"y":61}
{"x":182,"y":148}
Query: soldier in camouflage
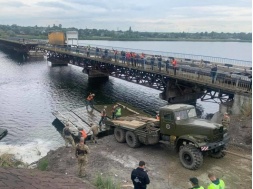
{"x":81,"y":153}
{"x":94,"y":130}
{"x":67,"y":136}
{"x":226,"y":120}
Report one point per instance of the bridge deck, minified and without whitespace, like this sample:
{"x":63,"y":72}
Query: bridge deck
{"x":197,"y":73}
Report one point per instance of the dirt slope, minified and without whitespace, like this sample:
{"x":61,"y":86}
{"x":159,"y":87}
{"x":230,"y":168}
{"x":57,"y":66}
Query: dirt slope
{"x":110,"y":158}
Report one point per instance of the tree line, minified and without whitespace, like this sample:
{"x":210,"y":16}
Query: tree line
{"x":40,"y":32}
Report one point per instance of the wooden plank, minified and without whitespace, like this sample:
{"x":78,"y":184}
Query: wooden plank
{"x":87,"y":116}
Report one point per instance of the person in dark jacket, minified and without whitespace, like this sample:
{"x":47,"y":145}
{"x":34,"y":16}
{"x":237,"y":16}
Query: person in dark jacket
{"x":213,"y":72}
{"x":140,"y":177}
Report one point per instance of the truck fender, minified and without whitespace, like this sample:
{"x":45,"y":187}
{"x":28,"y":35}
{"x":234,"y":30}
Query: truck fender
{"x":195,"y":139}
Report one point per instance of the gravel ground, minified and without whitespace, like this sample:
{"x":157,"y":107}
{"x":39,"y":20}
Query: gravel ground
{"x":117,"y":160}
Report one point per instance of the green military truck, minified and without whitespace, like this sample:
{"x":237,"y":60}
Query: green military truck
{"x":178,"y":125}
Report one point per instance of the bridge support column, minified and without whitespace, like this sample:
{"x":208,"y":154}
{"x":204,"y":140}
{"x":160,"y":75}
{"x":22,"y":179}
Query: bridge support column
{"x":96,"y":74}
{"x":174,"y":93}
{"x":240,"y":103}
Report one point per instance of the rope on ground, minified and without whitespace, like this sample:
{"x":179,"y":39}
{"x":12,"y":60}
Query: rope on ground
{"x":235,"y":154}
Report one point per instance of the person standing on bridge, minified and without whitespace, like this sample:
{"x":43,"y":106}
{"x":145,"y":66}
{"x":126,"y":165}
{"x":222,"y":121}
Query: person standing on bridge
{"x":81,"y":154}
{"x":97,"y":53}
{"x":216,"y":182}
{"x":159,"y":58}
{"x":214,"y":70}
{"x":115,"y":52}
{"x":225,"y":120}
{"x":103,"y":118}
{"x":167,"y":64}
{"x":152,"y":62}
{"x":128,"y":58}
{"x":174,"y":64}
{"x":123,"y":57}
{"x":88,"y":51}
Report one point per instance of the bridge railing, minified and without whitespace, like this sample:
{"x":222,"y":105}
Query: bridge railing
{"x":200,"y":74}
{"x":189,"y":57}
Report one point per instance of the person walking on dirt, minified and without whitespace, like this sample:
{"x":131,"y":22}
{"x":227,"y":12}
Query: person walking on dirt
{"x":94,"y":130}
{"x":81,"y":154}
{"x":215,"y":182}
{"x":195,"y":183}
{"x":67,"y":136}
{"x":90,"y":100}
{"x":103,"y":118}
{"x":225,"y":120}
{"x":140,"y":177}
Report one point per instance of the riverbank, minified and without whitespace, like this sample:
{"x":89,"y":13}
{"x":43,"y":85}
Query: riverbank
{"x":116,"y":160}
{"x":141,"y":39}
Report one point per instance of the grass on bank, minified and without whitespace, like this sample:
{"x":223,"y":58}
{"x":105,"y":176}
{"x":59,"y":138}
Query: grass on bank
{"x":43,"y":164}
{"x":106,"y":183}
{"x":246,"y":109}
{"x":9,"y":160}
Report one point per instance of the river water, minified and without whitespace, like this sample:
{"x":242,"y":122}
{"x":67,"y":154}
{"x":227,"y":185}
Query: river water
{"x":30,"y":91}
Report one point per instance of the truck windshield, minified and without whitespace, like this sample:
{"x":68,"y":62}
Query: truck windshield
{"x":185,"y":114}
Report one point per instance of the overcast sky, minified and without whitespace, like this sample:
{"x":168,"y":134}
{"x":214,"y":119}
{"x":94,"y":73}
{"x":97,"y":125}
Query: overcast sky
{"x":141,"y":15}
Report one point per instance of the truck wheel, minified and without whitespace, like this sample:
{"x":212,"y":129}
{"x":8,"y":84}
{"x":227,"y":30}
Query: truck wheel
{"x":219,"y":154}
{"x":120,"y":135}
{"x":190,"y":157}
{"x":132,"y":140}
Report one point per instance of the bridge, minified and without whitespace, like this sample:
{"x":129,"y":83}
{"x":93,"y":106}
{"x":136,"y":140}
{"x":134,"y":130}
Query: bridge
{"x":190,"y":81}
{"x":187,"y":82}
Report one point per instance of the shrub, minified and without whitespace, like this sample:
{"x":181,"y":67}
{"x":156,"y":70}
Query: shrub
{"x":42,"y":165}
{"x":246,"y":109}
{"x":106,"y":183}
{"x":9,"y":160}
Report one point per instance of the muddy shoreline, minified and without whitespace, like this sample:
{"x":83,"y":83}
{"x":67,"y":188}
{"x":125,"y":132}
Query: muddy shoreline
{"x":116,"y":160}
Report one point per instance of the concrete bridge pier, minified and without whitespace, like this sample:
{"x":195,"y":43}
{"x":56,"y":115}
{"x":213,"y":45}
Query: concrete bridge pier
{"x":239,"y":104}
{"x":95,"y":74}
{"x":175,"y":93}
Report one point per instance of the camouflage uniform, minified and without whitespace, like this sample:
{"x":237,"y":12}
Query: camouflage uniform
{"x":68,"y":137}
{"x":94,"y":129}
{"x":226,"y":121}
{"x":81,"y":153}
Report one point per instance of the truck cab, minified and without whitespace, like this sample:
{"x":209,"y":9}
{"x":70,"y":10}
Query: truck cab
{"x":181,"y":119}
{"x":192,"y":136}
